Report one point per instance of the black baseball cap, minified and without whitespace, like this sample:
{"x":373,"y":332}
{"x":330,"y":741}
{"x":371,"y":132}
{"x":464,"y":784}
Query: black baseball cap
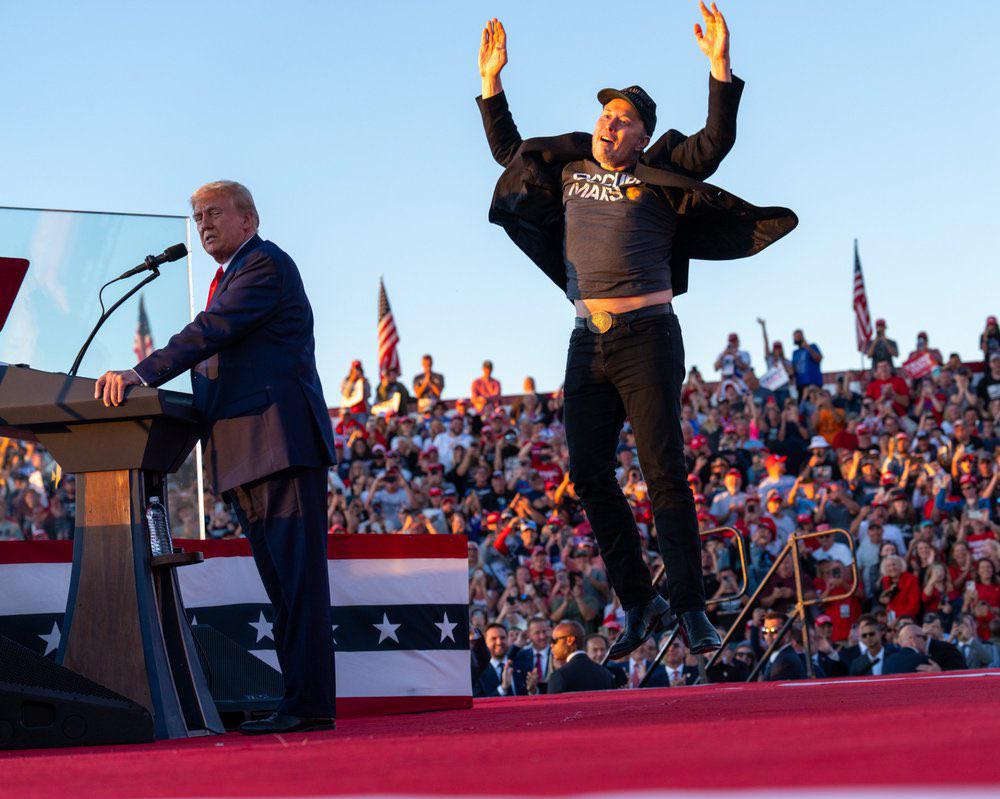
{"x":636,"y":97}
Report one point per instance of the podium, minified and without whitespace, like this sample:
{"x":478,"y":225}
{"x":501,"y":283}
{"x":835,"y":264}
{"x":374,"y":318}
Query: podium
{"x":125,"y":626}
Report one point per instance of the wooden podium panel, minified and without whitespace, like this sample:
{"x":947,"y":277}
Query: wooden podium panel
{"x":103,"y":611}
{"x":125,"y":626}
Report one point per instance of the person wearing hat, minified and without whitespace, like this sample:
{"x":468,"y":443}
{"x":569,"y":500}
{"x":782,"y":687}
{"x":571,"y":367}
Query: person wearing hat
{"x":989,"y":385}
{"x":355,"y":390}
{"x":599,"y":214}
{"x":881,"y":347}
{"x":922,"y":346}
{"x":427,"y":385}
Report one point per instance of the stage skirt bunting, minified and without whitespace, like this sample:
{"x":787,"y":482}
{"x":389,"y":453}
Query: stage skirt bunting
{"x":399,"y":605}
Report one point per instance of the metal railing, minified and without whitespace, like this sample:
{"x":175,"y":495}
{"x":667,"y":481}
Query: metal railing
{"x":658,"y":575}
{"x":711,"y":603}
{"x":801,"y":603}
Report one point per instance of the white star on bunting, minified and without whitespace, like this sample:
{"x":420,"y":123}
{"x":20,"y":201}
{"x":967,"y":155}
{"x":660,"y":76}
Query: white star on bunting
{"x":446,"y":627}
{"x":52,"y":639}
{"x":386,"y":629}
{"x":263,"y":627}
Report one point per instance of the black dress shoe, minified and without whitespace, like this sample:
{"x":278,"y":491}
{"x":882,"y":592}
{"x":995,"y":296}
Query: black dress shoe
{"x":282,"y":722}
{"x":699,"y":633}
{"x":640,"y":623}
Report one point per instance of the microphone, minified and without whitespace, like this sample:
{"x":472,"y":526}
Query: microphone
{"x":174,"y":253}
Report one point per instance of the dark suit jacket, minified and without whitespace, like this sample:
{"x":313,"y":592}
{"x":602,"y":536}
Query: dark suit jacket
{"x":252,"y":356}
{"x":904,"y":661}
{"x":487,"y":683}
{"x":713,"y":224}
{"x":524,"y":662}
{"x":787,"y":666}
{"x":948,"y":656}
{"x":580,"y":674}
{"x":862,"y":665}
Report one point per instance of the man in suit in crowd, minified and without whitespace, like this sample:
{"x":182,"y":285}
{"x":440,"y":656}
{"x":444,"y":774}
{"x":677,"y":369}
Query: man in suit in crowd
{"x":678,"y":672}
{"x":784,"y":662}
{"x":912,"y":655}
{"x":597,"y":648}
{"x":978,"y":655}
{"x":533,"y":664}
{"x":579,"y":672}
{"x":868,"y":656}
{"x":269,"y":441}
{"x":497,"y":679}
{"x":942,"y":651}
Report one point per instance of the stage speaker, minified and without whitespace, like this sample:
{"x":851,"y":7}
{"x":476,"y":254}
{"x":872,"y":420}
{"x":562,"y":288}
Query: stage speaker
{"x":43,"y":704}
{"x":238,"y":681}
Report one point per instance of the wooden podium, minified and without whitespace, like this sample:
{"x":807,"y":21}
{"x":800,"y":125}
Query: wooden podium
{"x":125,"y":626}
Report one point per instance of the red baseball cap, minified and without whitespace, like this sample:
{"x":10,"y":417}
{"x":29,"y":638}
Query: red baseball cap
{"x":698,"y":441}
{"x":823,"y":619}
{"x":773,"y":459}
{"x":880,"y":323}
{"x":888,"y":478}
{"x":733,"y":337}
{"x":729,"y":428}
{"x":804,"y":518}
{"x":965,"y":479}
{"x":435,"y":491}
{"x":735,"y":471}
{"x":699,"y":499}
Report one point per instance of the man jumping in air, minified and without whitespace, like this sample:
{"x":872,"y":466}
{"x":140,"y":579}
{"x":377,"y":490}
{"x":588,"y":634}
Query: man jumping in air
{"x":614,"y":225}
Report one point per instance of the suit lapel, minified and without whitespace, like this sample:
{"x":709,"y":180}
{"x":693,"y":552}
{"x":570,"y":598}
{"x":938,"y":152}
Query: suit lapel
{"x":234,"y":266}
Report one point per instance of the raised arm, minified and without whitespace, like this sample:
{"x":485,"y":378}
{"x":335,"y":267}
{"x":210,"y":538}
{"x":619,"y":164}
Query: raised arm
{"x":699,"y":155}
{"x":501,"y":132}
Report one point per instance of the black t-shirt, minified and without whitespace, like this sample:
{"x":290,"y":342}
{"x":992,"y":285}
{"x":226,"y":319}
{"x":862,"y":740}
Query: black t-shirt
{"x":619,"y":233}
{"x":988,"y":388}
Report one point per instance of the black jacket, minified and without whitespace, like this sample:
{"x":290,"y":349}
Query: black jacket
{"x":254,"y":379}
{"x":580,"y":674}
{"x":787,"y":666}
{"x":905,"y":661}
{"x":948,"y":656}
{"x":712,"y":224}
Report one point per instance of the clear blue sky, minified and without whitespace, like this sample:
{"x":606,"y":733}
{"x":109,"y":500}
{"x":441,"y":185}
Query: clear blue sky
{"x":355,"y":127}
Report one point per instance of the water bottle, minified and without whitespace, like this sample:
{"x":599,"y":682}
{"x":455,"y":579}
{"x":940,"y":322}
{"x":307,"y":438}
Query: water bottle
{"x":159,"y":531}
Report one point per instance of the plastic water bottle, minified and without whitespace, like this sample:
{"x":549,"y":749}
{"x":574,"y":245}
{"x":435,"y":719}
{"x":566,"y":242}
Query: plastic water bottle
{"x":160,"y":542}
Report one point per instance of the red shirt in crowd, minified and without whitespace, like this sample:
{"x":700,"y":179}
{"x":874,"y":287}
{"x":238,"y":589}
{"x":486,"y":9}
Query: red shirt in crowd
{"x":906,"y":602}
{"x":843,"y":612}
{"x":897,"y":384}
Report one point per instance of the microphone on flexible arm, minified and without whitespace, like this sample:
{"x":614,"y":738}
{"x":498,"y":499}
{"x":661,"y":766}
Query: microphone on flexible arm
{"x":174,"y":253}
{"x":151,"y":265}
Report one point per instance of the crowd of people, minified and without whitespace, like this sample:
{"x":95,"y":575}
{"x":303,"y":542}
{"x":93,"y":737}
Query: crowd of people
{"x":902,"y":458}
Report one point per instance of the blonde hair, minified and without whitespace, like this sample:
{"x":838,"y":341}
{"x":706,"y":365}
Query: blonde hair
{"x":934,"y":571}
{"x":242,"y":198}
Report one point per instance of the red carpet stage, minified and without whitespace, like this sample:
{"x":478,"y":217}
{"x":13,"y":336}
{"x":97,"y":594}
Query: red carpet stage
{"x":925,"y":735}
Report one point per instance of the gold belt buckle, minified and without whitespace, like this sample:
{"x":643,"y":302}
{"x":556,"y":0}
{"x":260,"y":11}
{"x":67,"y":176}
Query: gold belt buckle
{"x":600,"y":322}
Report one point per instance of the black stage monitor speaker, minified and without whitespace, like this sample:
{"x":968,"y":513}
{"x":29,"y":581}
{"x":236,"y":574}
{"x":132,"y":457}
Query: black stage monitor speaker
{"x":239,"y":682}
{"x":43,"y":704}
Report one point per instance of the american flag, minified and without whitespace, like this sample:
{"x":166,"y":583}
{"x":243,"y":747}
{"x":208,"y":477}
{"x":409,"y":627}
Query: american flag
{"x":388,"y":338}
{"x":143,"y":337}
{"x":862,"y":318}
{"x":399,"y":606}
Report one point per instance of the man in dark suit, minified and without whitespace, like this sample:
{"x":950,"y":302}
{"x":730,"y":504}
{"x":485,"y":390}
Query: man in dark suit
{"x":579,"y":673}
{"x":868,"y":657}
{"x":677,"y":671}
{"x":597,"y":648}
{"x":267,"y":431}
{"x":784,"y":662}
{"x":497,"y":679}
{"x":912,"y":655}
{"x":533,"y":665}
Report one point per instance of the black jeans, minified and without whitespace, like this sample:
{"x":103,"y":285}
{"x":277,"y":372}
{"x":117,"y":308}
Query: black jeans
{"x":634,"y":371}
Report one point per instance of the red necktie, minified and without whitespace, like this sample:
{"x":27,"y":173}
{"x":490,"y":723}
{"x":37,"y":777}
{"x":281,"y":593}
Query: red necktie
{"x":214,"y":286}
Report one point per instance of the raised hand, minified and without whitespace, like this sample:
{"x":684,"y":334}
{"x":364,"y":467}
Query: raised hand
{"x":713,"y":41}
{"x":492,"y":56}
